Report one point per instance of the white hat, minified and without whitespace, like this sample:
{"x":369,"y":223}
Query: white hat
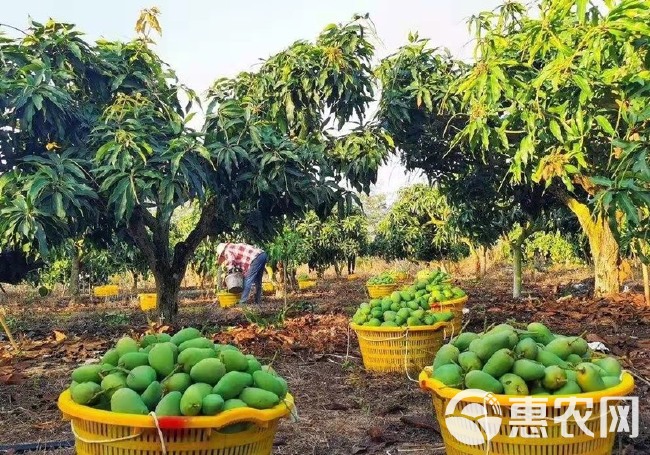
{"x":220,"y":248}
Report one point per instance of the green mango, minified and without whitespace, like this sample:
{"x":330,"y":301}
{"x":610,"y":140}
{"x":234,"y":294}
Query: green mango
{"x":192,"y":399}
{"x":152,"y":395}
{"x":125,"y":345}
{"x":234,"y":360}
{"x":111,"y":357}
{"x":170,"y":404}
{"x":113,"y":382}
{"x":513,"y":384}
{"x":540,"y":333}
{"x":528,"y":370}
{"x":163,"y":337}
{"x":485,"y":346}
{"x":500,"y":363}
{"x":140,"y":377}
{"x":469,"y":361}
{"x":574,"y":359}
{"x":588,"y":378}
{"x":253,"y":366}
{"x":611,"y":381}
{"x":611,"y":366}
{"x":191,"y":356}
{"x":477,"y":379}
{"x":448,"y":353}
{"x":148,"y":340}
{"x":234,"y":403}
{"x":233,"y":382}
{"x":560,"y":347}
{"x":87,"y":373}
{"x":547,"y":358}
{"x":554,"y":378}
{"x":186,"y":334}
{"x":177,"y":382}
{"x":463,"y":340}
{"x":86,"y":393}
{"x":578,"y":345}
{"x":258,"y":398}
{"x":209,"y":371}
{"x":450,"y":375}
{"x":212,"y":404}
{"x":130,"y":360}
{"x":200,"y":342}
{"x":161,"y":359}
{"x":527,"y":349}
{"x":269,"y":382}
{"x":570,"y":388}
{"x":127,"y":401}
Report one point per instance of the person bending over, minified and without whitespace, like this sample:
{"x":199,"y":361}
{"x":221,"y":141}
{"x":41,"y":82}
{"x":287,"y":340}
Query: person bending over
{"x":250,"y":260}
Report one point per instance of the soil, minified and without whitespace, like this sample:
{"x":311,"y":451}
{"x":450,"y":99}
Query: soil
{"x":342,"y":408}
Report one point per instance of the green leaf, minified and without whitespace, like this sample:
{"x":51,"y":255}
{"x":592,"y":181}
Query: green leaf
{"x":605,"y":125}
{"x":556,"y":130}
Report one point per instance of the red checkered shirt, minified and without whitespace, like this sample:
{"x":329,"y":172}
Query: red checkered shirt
{"x":239,"y":255}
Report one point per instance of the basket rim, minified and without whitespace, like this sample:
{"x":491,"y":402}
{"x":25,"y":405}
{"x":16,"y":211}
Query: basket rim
{"x":462,"y":299}
{"x":226,"y":293}
{"x":382,"y":285}
{"x":418,"y":328}
{"x":438,"y":388}
{"x":260,"y":416}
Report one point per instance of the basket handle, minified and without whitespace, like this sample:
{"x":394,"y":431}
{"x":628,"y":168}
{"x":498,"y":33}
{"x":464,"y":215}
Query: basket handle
{"x":101,"y":441}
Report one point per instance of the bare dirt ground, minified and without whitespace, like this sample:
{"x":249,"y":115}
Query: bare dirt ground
{"x":343,"y":409}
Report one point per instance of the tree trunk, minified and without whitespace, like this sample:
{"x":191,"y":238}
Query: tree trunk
{"x":168,"y":286}
{"x":604,"y":249}
{"x":134,"y":289}
{"x":646,"y":283}
{"x":337,"y":268}
{"x":75,"y":269}
{"x":516,"y":270}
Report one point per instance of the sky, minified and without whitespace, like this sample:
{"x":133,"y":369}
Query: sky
{"x":204,"y":40}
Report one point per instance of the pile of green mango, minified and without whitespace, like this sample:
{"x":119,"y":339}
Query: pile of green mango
{"x":181,"y":375}
{"x":534,"y":361}
{"x":434,"y":277}
{"x":381,"y":279}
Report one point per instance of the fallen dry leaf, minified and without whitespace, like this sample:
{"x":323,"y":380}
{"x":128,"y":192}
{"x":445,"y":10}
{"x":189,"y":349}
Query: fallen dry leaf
{"x":59,"y":336}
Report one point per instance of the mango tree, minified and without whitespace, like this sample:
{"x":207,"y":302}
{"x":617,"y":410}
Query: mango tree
{"x":90,"y":129}
{"x":423,"y":115}
{"x":550,"y":92}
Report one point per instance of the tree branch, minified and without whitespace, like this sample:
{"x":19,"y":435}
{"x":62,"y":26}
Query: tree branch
{"x":207,"y":225}
{"x":138,"y":233}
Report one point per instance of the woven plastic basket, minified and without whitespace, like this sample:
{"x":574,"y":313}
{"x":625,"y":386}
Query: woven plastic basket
{"x":456,"y":306}
{"x":400,"y":349}
{"x":553,"y":444}
{"x":306,"y":284}
{"x":268,"y":287}
{"x":227,"y":299}
{"x":99,"y":432}
{"x":377,"y":291}
{"x":148,"y":301}
{"x":109,"y":290}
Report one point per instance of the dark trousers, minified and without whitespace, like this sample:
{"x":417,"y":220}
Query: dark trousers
{"x":254,"y":277}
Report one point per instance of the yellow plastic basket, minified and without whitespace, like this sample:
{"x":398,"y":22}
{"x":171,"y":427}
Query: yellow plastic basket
{"x":377,"y":291}
{"x":109,"y":290}
{"x":456,"y":306}
{"x":99,"y":432}
{"x":400,"y":276}
{"x":552,"y":444}
{"x":148,"y":301}
{"x":306,"y":284}
{"x":352,"y":277}
{"x":268,"y":287}
{"x":400,"y":349}
{"x":227,"y":299}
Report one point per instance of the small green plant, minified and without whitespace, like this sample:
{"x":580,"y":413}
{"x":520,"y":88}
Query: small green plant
{"x":303,"y":277}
